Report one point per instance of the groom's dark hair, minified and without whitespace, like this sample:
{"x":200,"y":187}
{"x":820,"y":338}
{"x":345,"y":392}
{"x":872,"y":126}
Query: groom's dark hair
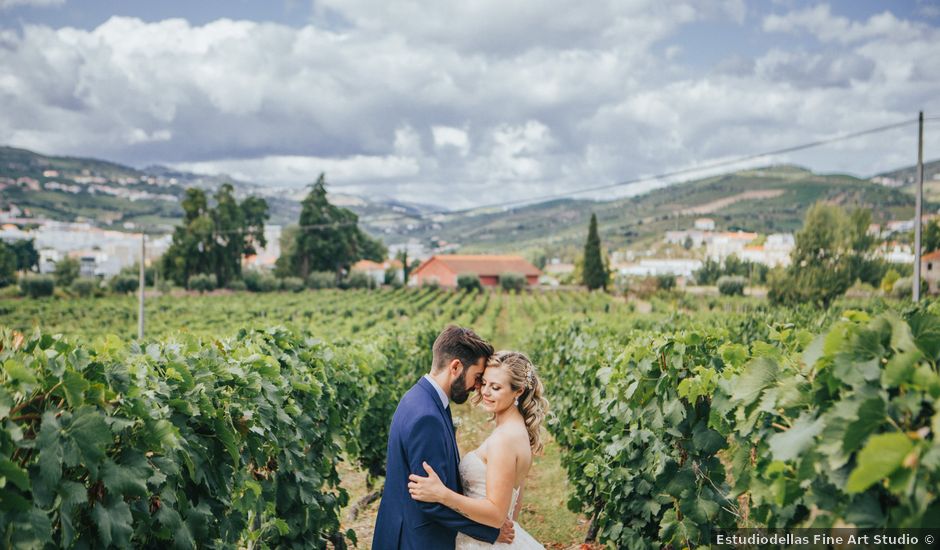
{"x":459,"y":343}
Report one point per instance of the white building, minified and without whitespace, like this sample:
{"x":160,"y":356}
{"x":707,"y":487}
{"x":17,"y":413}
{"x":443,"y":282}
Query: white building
{"x":896,"y":253}
{"x":109,"y":250}
{"x":722,"y":245}
{"x":705,"y":224}
{"x":267,"y":256}
{"x":659,"y":266}
{"x":774,"y":252}
{"x":698,"y":238}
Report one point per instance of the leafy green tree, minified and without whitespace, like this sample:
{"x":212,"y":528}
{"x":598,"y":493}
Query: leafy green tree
{"x":594,"y":274}
{"x":709,"y":272}
{"x":406,"y":269}
{"x":329,"y":238}
{"x":931,"y":237}
{"x":27,"y":257}
{"x":7,"y":265}
{"x":66,"y":271}
{"x":213,"y":240}
{"x":832,"y":251}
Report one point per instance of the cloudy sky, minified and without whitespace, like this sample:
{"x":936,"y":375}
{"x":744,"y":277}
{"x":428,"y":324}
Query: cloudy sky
{"x":462,"y":103}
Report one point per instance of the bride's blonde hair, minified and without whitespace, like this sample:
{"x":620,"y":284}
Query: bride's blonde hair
{"x":532,"y":404}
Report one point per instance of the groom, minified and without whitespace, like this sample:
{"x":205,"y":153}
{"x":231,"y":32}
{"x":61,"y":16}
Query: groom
{"x":422,"y":431}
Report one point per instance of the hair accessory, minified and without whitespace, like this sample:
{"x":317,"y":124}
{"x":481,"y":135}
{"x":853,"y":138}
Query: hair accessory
{"x":528,"y":377}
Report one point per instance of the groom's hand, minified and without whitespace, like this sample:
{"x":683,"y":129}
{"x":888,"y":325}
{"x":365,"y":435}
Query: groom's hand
{"x":507,"y":532}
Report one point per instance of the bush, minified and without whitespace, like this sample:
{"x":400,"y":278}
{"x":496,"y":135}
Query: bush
{"x":903,"y":288}
{"x":732,"y":285}
{"x":237,"y":285}
{"x":888,"y":281}
{"x":164,"y":286}
{"x":512,"y":282}
{"x":321,"y":279}
{"x":292,"y":284}
{"x":431,"y":283}
{"x":357,"y":279}
{"x":37,"y":286}
{"x":84,"y":286}
{"x":666,"y":282}
{"x":268,"y":283}
{"x":66,"y":271}
{"x":123,"y":284}
{"x":203,"y":282}
{"x":252,"y":280}
{"x":468,"y":282}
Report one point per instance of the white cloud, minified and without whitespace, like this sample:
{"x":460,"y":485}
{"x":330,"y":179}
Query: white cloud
{"x":827,"y":27}
{"x":299,"y":169}
{"x":515,"y":101}
{"x":446,"y":136}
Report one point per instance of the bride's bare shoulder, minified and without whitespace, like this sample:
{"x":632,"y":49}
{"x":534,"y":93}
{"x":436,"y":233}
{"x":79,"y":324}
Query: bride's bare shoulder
{"x":510,"y":438}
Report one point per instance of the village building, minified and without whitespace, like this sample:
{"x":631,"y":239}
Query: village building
{"x":930,"y":271}
{"x":444,"y":269}
{"x":376,"y":271}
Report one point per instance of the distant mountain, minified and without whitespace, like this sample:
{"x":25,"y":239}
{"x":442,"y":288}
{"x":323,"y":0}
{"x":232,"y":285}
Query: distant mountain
{"x":770,"y":199}
{"x":110,"y":194}
{"x":906,"y":179}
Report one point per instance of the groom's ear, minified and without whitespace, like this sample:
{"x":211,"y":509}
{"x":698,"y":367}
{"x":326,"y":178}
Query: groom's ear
{"x":455,"y":365}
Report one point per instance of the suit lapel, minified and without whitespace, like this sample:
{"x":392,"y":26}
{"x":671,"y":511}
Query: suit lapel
{"x":435,"y":398}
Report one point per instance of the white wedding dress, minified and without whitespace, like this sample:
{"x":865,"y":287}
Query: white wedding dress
{"x":473,"y":476}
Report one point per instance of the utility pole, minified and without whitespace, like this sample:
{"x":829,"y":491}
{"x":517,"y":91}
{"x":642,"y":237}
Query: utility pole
{"x":918,"y":205}
{"x":143,"y":281}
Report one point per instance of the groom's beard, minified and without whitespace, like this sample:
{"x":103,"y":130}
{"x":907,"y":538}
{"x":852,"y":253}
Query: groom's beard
{"x":458,"y":390}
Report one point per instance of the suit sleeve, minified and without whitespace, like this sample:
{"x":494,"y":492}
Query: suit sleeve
{"x":427,"y":443}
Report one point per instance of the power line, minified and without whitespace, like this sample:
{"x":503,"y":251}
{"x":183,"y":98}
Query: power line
{"x":664,"y":175}
{"x":643,"y":179}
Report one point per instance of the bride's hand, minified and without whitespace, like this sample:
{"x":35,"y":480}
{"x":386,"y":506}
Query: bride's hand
{"x":426,"y":489}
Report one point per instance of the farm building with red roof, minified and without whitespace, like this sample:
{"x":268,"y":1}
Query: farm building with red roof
{"x":445,"y":269}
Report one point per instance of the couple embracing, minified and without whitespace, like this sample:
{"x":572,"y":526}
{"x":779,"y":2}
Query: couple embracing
{"x":435,"y":499}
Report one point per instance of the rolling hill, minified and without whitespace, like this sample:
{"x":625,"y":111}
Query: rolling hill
{"x":771,"y":199}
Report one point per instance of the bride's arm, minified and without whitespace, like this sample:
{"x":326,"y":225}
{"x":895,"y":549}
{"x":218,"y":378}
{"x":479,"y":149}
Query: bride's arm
{"x":491,"y":510}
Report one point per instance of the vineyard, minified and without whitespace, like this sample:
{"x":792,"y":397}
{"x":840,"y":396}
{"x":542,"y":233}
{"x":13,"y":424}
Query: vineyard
{"x":261,"y":420}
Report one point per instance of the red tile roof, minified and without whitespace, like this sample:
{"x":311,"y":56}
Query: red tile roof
{"x":481,"y":264}
{"x":935,"y":255}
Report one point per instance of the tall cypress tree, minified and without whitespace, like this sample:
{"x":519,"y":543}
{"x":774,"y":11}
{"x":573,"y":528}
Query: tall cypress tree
{"x":594,"y":274}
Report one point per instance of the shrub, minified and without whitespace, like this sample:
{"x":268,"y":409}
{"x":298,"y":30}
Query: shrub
{"x":888,"y":281}
{"x":292,"y":284}
{"x":37,"y":286}
{"x":357,"y":279}
{"x":904,"y":288}
{"x":512,"y":282}
{"x":84,"y":286}
{"x":203,"y":282}
{"x":732,"y":285}
{"x":238,"y":285}
{"x":66,"y":271}
{"x":123,"y":284}
{"x":268,"y":283}
{"x":321,"y":279}
{"x":431,"y":283}
{"x":666,"y":282}
{"x":468,"y":282}
{"x":252,"y":280}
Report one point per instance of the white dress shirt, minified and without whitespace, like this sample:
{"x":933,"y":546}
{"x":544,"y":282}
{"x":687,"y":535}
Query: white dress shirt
{"x":440,"y":392}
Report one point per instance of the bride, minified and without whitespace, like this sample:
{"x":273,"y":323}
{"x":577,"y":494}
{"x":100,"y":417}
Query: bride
{"x":494,"y":474}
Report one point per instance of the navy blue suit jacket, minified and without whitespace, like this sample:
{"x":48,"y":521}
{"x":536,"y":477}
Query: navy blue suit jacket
{"x":421,"y":432}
